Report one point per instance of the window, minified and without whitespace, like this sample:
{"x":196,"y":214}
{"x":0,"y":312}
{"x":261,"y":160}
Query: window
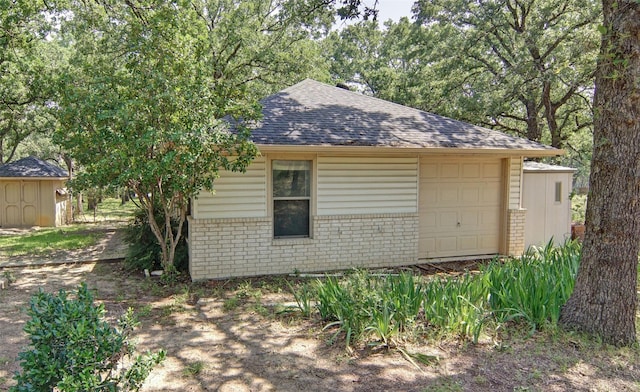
{"x":558,"y":192}
{"x":291,"y":198}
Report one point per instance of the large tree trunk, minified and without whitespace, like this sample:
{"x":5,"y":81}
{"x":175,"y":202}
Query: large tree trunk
{"x":604,"y":299}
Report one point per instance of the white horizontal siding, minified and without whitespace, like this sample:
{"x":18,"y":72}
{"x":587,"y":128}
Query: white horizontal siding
{"x":356,"y":185}
{"x":237,"y":195}
{"x":515,"y":182}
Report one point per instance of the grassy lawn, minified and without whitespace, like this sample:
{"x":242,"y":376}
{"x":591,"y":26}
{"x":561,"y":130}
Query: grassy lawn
{"x":48,"y":240}
{"x":79,"y":235}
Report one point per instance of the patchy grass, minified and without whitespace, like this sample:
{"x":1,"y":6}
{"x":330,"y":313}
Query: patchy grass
{"x":109,"y":210}
{"x":48,"y":240}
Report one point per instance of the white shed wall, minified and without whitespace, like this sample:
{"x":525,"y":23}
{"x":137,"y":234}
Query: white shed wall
{"x":547,"y":218}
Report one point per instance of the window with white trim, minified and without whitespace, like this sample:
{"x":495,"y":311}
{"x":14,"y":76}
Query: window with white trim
{"x":291,"y":186}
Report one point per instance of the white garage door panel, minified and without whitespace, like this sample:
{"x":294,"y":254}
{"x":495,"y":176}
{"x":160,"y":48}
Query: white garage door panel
{"x":460,"y":207}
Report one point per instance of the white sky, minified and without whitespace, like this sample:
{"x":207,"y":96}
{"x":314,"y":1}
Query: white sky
{"x":392,"y":9}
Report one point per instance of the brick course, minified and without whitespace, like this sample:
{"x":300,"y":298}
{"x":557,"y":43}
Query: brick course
{"x":222,"y":248}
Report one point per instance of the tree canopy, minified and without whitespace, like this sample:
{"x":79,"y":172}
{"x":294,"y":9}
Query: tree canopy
{"x":151,"y":87}
{"x":27,"y":64}
{"x":520,"y":66}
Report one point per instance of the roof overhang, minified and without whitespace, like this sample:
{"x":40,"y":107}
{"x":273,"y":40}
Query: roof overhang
{"x":368,"y":150}
{"x":34,"y":178}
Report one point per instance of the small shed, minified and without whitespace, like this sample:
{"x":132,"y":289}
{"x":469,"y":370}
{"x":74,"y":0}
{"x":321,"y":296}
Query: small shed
{"x":546,"y":197}
{"x":32,"y":193}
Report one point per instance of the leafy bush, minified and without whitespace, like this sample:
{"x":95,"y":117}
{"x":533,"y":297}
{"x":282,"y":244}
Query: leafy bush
{"x":72,"y":348}
{"x":144,"y":251}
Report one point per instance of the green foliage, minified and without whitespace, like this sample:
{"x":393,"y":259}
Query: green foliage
{"x":578,"y":208}
{"x":151,"y":88}
{"x":528,"y":291}
{"x":534,"y":287}
{"x":72,"y":347}
{"x":456,"y":305}
{"x":526,"y":68}
{"x":28,"y":63}
{"x":304,"y":297}
{"x":144,"y":251}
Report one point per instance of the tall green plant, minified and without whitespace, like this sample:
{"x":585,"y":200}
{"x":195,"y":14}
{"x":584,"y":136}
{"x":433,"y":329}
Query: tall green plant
{"x":533,"y":287}
{"x":73,"y":348}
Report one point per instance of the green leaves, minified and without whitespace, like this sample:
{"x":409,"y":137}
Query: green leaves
{"x":73,"y":348}
{"x":153,"y":85}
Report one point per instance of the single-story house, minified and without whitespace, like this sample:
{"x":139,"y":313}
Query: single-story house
{"x":347,"y":180}
{"x":32,"y":193}
{"x":546,"y":196}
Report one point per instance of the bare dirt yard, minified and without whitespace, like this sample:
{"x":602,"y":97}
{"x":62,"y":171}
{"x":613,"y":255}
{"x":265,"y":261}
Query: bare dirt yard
{"x":234,"y":336}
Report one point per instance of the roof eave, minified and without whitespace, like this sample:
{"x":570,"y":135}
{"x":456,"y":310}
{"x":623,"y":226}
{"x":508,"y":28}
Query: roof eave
{"x":16,"y":178}
{"x":531,"y":153}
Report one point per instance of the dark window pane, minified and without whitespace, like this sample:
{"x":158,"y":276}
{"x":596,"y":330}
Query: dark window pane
{"x":291,"y":218}
{"x":291,"y":178}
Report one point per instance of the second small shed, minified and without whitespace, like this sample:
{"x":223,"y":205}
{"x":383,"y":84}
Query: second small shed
{"x":546,"y":191}
{"x":32,"y":193}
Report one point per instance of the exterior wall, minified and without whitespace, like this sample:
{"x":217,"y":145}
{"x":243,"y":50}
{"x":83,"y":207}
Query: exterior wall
{"x":236,"y":195}
{"x":515,"y":231}
{"x":364,"y":213}
{"x":367,"y":185}
{"x":515,"y":182}
{"x":515,"y":216}
{"x":222,"y":248}
{"x":547,"y":218}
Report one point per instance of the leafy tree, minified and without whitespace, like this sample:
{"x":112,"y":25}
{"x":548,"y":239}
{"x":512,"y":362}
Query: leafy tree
{"x":604,"y":300}
{"x":27,"y":63}
{"x":519,"y":66}
{"x":145,"y":100}
{"x":381,"y":62}
{"x":522,"y":66}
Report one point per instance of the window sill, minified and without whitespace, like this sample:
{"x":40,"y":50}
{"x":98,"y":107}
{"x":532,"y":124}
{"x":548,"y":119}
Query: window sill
{"x":291,"y":241}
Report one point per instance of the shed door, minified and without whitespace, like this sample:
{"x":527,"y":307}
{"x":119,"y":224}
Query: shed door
{"x":20,"y":203}
{"x":460,"y":207}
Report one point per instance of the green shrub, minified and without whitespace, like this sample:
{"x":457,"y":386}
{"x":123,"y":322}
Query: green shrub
{"x":72,"y":347}
{"x":144,"y":251}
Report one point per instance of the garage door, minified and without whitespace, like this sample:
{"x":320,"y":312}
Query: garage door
{"x":460,"y":207}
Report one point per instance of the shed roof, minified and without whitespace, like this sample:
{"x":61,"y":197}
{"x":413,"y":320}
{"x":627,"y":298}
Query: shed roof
{"x":32,"y":167}
{"x":311,"y":113}
{"x":539,"y":167}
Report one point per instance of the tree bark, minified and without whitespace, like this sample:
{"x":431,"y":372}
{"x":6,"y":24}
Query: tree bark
{"x":604,"y":300}
{"x":534,"y":132}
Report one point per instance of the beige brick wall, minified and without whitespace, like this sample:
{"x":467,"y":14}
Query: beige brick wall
{"x":222,"y":248}
{"x":515,"y":231}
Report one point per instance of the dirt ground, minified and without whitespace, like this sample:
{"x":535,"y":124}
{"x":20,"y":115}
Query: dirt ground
{"x":233,"y":336}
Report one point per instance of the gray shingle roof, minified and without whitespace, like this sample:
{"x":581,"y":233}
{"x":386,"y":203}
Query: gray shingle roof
{"x":32,"y":167}
{"x":311,"y":113}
